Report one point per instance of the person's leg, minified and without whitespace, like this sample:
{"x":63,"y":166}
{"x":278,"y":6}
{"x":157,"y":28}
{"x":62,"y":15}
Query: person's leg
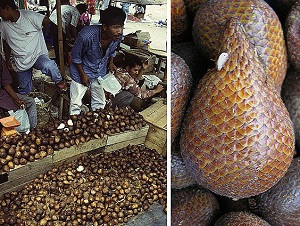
{"x":77,"y":92}
{"x":25,"y":81}
{"x":97,"y":95}
{"x":122,"y":99}
{"x":30,"y":109}
{"x":49,"y":67}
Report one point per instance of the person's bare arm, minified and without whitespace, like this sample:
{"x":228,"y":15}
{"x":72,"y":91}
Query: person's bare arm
{"x":46,"y":22}
{"x":7,"y":52}
{"x":8,"y":88}
{"x":84,"y":78}
{"x":111,"y":65}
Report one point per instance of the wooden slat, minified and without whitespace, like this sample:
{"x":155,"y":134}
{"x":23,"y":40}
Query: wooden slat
{"x":35,"y":166}
{"x":128,"y":135}
{"x":116,"y":146}
{"x":78,"y":149}
{"x":160,"y":149}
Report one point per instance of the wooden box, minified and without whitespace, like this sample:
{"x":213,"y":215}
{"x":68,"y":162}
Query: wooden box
{"x":156,"y":118}
{"x":121,"y":140}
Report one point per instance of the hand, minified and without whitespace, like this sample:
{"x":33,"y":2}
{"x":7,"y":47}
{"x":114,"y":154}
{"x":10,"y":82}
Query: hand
{"x":20,"y":103}
{"x":145,"y":65}
{"x":85,"y":80}
{"x":9,"y":65}
{"x":159,"y":88}
{"x":112,"y":67}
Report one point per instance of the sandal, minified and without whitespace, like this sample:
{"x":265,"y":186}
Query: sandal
{"x":62,"y":86}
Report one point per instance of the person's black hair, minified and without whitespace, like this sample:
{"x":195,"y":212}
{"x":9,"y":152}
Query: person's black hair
{"x":82,"y":7}
{"x":10,"y":3}
{"x":132,"y":60}
{"x":112,"y":16}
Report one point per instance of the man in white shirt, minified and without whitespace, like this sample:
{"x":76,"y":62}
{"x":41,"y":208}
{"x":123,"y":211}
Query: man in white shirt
{"x":23,"y":39}
{"x":70,"y":17}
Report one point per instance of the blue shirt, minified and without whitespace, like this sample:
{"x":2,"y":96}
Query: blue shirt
{"x":87,"y":52}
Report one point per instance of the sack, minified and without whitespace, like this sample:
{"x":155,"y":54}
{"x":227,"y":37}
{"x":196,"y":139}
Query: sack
{"x":110,"y":83}
{"x":22,"y":117}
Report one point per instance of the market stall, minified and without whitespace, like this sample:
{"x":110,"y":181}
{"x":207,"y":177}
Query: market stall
{"x":101,"y":159}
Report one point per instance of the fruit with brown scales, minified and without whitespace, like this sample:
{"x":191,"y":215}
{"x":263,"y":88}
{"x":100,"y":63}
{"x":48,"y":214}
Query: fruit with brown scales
{"x":261,"y":24}
{"x":280,"y":205}
{"x":237,"y":138}
{"x":180,"y":24}
{"x":293,"y":35}
{"x":241,"y":218}
{"x":194,"y":206}
{"x":181,"y":81}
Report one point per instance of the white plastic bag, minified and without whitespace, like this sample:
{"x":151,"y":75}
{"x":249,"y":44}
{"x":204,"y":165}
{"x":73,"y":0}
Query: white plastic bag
{"x":22,"y":117}
{"x":110,"y":83}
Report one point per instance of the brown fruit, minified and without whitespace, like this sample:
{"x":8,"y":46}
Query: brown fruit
{"x":293,"y":35}
{"x":193,"y":206}
{"x":241,"y":218}
{"x":180,"y":91}
{"x":260,"y":22}
{"x":180,"y":177}
{"x":291,"y":97}
{"x":192,"y":6}
{"x":237,"y":138}
{"x":281,"y":204}
{"x":180,"y":23}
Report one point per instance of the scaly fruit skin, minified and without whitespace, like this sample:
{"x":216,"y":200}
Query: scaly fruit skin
{"x":280,"y":205}
{"x":260,"y":22}
{"x":192,"y":6}
{"x":179,"y":18}
{"x":181,"y":81}
{"x":293,"y":35}
{"x":290,"y":95}
{"x":180,"y":177}
{"x":237,"y":138}
{"x":241,"y":219}
{"x":194,"y":207}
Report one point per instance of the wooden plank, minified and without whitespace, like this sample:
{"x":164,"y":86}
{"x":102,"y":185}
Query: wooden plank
{"x":35,"y":166}
{"x":14,"y":184}
{"x":128,"y":135}
{"x":156,"y":114}
{"x":78,"y":149}
{"x":16,"y":188}
{"x":151,"y":109}
{"x":160,"y":149}
{"x":154,"y":131}
{"x":116,"y":146}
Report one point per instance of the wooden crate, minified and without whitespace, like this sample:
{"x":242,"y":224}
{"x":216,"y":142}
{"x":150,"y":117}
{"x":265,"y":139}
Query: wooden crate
{"x":23,"y":174}
{"x":156,"y":118}
{"x":81,"y":148}
{"x":121,"y":140}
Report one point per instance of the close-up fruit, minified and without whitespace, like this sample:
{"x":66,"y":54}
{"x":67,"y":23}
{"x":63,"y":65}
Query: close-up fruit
{"x":237,"y":138}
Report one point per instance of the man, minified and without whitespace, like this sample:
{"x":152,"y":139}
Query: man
{"x":24,"y":40}
{"x":129,"y":77}
{"x":92,"y":53}
{"x":9,"y":100}
{"x":70,"y":16}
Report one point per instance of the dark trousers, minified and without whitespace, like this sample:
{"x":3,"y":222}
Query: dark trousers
{"x":122,"y":99}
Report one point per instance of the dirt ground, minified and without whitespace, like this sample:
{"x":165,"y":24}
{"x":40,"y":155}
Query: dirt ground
{"x":154,"y":14}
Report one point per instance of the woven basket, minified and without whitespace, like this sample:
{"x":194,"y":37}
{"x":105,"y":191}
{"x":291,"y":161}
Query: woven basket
{"x":43,"y":113}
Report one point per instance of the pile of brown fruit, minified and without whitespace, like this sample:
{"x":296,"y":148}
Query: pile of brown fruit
{"x":103,"y":189}
{"x":59,"y":134}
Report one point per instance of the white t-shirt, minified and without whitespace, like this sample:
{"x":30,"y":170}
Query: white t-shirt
{"x":25,"y":38}
{"x":69,"y":15}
